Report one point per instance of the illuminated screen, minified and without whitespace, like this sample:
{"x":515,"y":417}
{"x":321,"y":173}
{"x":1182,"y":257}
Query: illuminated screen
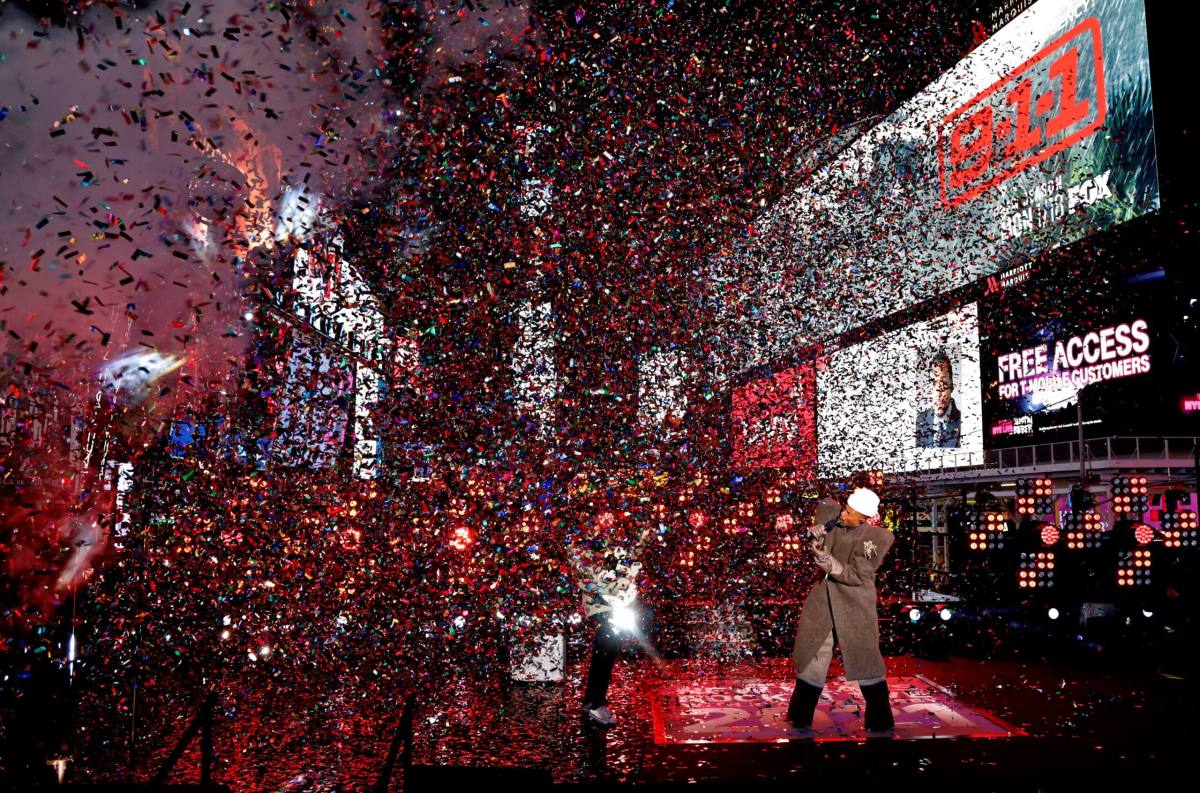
{"x":1040,"y":136}
{"x":774,"y":422}
{"x":904,"y":401}
{"x":315,"y":406}
{"x":1123,"y":332}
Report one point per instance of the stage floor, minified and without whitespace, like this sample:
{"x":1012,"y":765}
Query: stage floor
{"x":752,"y":710}
{"x":1012,"y":724}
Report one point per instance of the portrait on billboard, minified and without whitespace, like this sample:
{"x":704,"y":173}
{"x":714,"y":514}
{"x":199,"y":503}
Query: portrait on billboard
{"x":906,"y":400}
{"x":939,"y":424}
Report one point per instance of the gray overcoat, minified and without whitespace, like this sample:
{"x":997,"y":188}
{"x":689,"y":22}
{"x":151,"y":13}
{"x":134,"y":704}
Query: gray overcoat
{"x":845,"y":603}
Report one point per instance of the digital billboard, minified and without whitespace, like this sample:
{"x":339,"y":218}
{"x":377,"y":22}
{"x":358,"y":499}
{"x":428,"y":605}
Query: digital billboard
{"x":903,"y":401}
{"x":1039,"y":137}
{"x":1119,"y":335}
{"x":774,"y":421}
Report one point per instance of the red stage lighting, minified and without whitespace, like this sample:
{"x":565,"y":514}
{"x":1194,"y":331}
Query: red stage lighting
{"x":732,"y":526}
{"x":786,"y":550}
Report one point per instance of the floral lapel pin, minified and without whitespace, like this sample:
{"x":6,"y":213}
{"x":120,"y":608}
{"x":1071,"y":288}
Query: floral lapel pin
{"x":869,"y":549}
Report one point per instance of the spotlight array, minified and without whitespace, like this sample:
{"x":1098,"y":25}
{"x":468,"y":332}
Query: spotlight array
{"x":1179,"y":530}
{"x":989,"y":532}
{"x":1036,"y":570}
{"x":1084,"y":530}
{"x":1035,"y":496}
{"x":1133,"y":568}
{"x":1130,"y":495}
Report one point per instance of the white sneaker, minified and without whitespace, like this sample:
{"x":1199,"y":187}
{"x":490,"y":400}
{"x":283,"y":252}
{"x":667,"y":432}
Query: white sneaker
{"x":601,"y":715}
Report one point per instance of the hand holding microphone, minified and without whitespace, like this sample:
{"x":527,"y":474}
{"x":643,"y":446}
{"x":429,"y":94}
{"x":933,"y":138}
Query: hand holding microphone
{"x":827,"y":512}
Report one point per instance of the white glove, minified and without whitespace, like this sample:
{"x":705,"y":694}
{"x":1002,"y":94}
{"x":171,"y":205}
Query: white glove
{"x":826,"y":562}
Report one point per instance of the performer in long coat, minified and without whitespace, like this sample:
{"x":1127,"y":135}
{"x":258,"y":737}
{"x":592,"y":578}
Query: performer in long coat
{"x":842,"y":607}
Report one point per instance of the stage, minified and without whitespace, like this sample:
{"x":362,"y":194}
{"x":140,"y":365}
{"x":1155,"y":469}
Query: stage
{"x":1012,"y":723}
{"x":1004,"y":724}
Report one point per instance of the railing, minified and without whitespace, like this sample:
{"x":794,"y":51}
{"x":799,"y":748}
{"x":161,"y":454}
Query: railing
{"x":1141,"y":448}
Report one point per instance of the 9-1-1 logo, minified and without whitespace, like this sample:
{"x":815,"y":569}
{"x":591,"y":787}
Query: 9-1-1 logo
{"x":1046,"y":104}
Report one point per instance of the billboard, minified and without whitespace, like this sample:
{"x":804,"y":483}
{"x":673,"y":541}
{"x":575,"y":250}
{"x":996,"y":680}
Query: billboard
{"x":774,"y":421}
{"x":1123,"y":336}
{"x":1039,"y":137}
{"x":315,"y":404}
{"x":904,"y":401}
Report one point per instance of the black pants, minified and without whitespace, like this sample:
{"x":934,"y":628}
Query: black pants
{"x":605,"y":649}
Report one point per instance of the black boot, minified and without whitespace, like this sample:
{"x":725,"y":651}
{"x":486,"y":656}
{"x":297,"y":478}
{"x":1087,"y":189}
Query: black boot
{"x":803,"y":705}
{"x":879,"y":709}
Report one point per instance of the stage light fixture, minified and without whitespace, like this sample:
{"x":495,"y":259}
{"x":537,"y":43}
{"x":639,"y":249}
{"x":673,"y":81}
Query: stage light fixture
{"x":1133,"y":568}
{"x":732,"y":525}
{"x":1035,"y":496}
{"x":914,"y":615}
{"x":1083,"y":530}
{"x":946,"y":614}
{"x":1081,"y":499}
{"x":1048,"y":533}
{"x":1179,"y":530}
{"x":624,"y":619}
{"x":989,"y":531}
{"x":1052,"y":613}
{"x":1035,"y":570}
{"x":461,"y":538}
{"x":1130,"y":495}
{"x":787,"y":549}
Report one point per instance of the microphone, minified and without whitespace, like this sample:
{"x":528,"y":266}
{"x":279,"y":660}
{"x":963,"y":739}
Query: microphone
{"x":827,"y":512}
